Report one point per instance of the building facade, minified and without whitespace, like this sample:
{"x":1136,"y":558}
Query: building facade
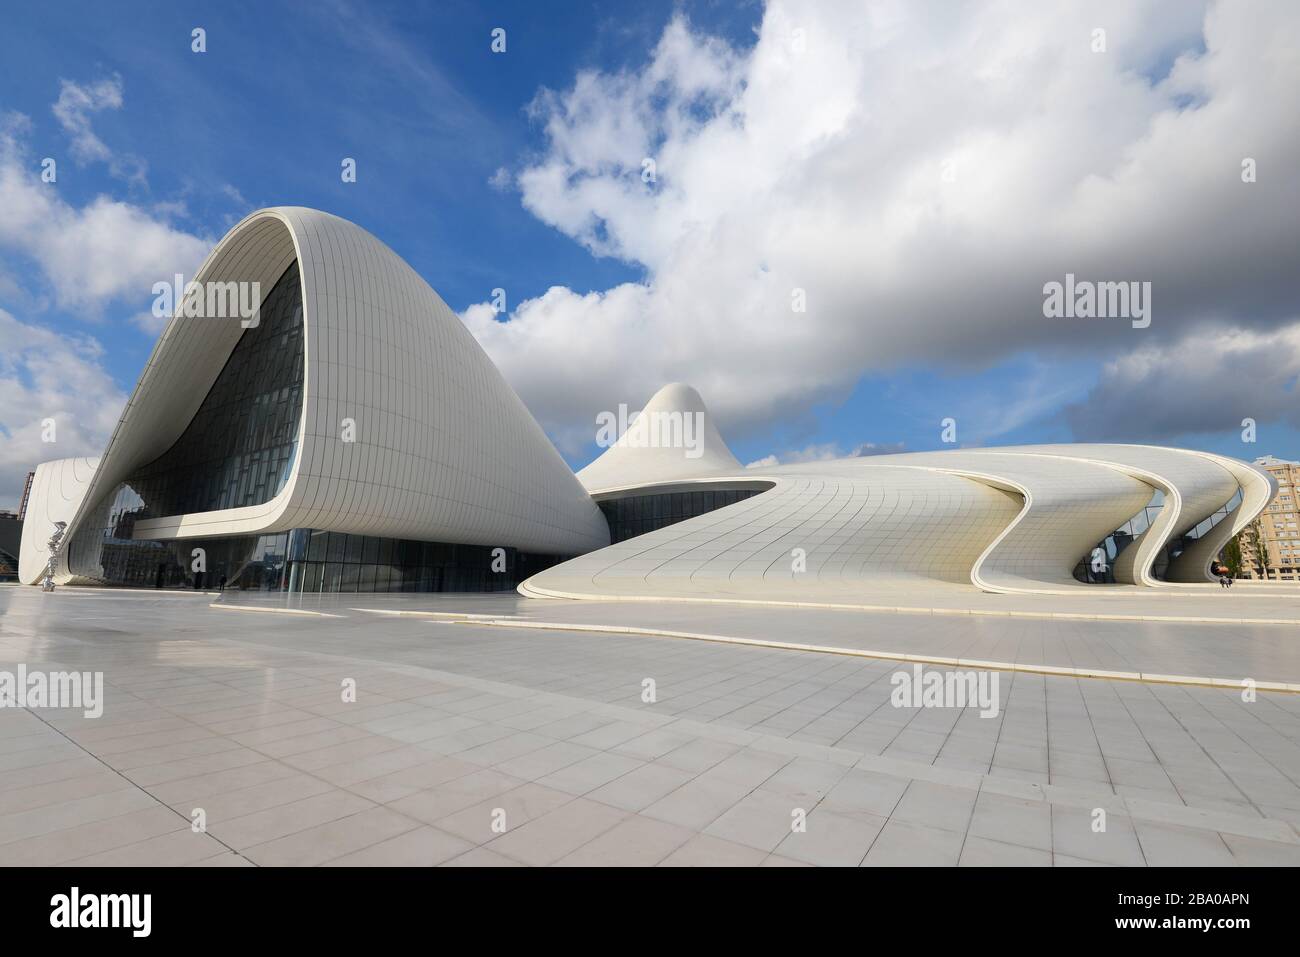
{"x":353,"y":436}
{"x":1270,"y":545}
{"x":355,"y":416}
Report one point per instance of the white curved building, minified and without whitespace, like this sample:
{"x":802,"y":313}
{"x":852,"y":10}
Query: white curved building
{"x":58,"y":489}
{"x":355,"y":437}
{"x":359,"y":404}
{"x":1047,"y":519}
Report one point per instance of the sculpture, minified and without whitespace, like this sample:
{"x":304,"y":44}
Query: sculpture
{"x":55,"y":540}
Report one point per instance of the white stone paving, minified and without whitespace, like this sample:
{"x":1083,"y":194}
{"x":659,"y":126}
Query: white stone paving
{"x":458,"y":725}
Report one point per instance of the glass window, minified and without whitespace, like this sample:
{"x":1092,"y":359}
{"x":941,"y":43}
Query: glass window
{"x":249,"y":418}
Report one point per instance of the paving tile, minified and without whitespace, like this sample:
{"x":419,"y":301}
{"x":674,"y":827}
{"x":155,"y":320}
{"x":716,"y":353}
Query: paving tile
{"x":635,"y":842}
{"x":981,"y":852}
{"x":776,"y":860}
{"x":699,"y":755}
{"x":552,"y":836}
{"x":1252,"y":852}
{"x":520,"y":805}
{"x":481,"y":857}
{"x":761,"y":819}
{"x":422,"y":847}
{"x":936,"y":805}
{"x":641,"y":787}
{"x":696,"y":804}
{"x":904,"y":844}
{"x":60,"y":847}
{"x":275,"y":822}
{"x":324,"y":842}
{"x":66,"y":814}
{"x":187,"y":790}
{"x":1012,"y":821}
{"x":547,"y":760}
{"x":1165,"y":845}
{"x":805,"y":780}
{"x":1073,"y":836}
{"x":172,"y":849}
{"x":704,"y":850}
{"x":590,"y":773}
{"x":833,"y":840}
{"x":399,"y":784}
{"x":434,"y":804}
{"x":865,"y":792}
{"x":229,"y":805}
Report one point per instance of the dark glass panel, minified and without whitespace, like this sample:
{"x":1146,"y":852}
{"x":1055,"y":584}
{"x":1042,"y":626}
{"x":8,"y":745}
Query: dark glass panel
{"x":236,"y":450}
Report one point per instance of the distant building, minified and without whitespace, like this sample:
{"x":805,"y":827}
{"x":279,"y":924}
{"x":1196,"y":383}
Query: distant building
{"x":1270,"y":545}
{"x":11,"y":534}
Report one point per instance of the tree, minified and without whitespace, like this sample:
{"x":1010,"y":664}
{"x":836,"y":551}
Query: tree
{"x":1232,"y":556}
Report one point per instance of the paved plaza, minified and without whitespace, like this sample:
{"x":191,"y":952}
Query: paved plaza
{"x":484,"y":732}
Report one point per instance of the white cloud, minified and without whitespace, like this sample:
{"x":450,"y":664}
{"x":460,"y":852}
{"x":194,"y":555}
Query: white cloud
{"x":89,"y":259}
{"x":73,"y":108}
{"x":90,"y":255}
{"x":45,"y":375}
{"x":825,"y":171}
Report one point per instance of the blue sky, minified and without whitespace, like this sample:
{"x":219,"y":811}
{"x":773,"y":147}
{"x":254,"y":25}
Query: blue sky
{"x":452,"y":141}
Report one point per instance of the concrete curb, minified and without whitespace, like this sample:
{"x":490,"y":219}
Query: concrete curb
{"x":532,"y":592}
{"x":1145,"y":677}
{"x":278,"y":611}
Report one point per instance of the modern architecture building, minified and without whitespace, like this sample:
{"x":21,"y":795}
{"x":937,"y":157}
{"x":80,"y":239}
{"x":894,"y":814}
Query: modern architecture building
{"x":355,"y":437}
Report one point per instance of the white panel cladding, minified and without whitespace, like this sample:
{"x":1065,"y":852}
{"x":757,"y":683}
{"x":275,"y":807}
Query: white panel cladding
{"x":57,"y":492}
{"x":1257,"y":489}
{"x":852,"y":525}
{"x":1071,"y":504}
{"x":1195,"y":486}
{"x":1013,"y":519}
{"x":444,"y":450}
{"x":639,"y":456}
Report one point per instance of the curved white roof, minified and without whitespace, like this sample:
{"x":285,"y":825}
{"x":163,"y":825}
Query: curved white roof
{"x":672,"y":438}
{"x":1016,"y":519}
{"x":444,"y":450}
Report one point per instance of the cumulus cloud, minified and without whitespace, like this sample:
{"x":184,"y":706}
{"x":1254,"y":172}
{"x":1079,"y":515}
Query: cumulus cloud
{"x":73,"y":108}
{"x":1208,"y":382}
{"x":917,"y":172}
{"x":92,"y":254}
{"x":88,"y":259}
{"x":48,"y":376}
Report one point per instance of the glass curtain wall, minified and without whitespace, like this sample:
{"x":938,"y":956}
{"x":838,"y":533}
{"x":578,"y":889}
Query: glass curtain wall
{"x":637,"y":514}
{"x":1098,"y":567}
{"x":238,"y":450}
